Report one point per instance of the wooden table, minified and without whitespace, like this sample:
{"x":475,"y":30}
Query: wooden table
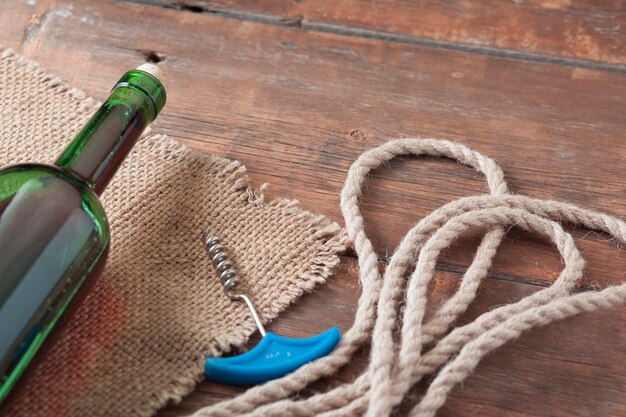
{"x":298,"y":89}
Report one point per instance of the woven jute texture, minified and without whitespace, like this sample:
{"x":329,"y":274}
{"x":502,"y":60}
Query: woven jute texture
{"x":141,"y":335}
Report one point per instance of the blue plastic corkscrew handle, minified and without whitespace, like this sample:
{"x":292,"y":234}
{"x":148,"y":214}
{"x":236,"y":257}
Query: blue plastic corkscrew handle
{"x":272,"y":358}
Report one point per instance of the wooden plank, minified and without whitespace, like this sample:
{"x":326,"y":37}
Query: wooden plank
{"x":20,"y":21}
{"x":571,"y":368}
{"x":571,"y":29}
{"x":288,"y":104}
{"x":298,"y":107}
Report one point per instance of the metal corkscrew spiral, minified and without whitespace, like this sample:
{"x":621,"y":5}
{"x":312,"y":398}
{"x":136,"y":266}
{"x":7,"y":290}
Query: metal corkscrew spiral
{"x":224,"y":268}
{"x":227,"y":274}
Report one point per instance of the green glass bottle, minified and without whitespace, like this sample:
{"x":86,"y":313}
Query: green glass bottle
{"x":54,"y":234}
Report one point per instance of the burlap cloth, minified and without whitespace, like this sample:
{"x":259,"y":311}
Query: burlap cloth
{"x":140,"y":338}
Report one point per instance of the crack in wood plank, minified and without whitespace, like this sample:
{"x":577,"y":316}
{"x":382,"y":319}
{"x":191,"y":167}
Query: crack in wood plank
{"x":500,"y":276}
{"x":342,"y":30}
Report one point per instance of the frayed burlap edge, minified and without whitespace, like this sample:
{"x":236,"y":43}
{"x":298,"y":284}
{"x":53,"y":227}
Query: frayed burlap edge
{"x":333,"y":237}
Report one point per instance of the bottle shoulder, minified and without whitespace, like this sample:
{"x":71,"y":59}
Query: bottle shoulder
{"x":51,"y":182}
{"x":15,"y":174}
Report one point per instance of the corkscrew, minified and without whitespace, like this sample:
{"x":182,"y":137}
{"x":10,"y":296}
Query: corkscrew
{"x":274,"y":356}
{"x":227,"y":274}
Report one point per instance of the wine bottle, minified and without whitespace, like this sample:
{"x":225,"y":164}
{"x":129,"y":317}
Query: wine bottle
{"x":54,"y":235}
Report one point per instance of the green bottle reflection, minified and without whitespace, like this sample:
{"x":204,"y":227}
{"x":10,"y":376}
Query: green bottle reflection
{"x":54,"y":234}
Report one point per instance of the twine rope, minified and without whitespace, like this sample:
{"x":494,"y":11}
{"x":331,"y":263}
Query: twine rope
{"x":424,"y":347}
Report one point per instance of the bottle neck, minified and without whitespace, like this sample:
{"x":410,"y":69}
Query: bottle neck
{"x":97,"y":152}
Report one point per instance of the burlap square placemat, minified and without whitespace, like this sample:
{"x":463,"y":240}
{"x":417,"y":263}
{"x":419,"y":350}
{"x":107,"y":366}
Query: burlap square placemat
{"x":140,"y":338}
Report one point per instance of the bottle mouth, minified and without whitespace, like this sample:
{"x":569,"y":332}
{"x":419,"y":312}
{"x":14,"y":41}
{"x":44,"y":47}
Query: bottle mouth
{"x":146,"y":83}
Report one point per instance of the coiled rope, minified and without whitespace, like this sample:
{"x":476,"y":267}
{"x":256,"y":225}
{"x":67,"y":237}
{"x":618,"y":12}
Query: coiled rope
{"x":426,"y":347}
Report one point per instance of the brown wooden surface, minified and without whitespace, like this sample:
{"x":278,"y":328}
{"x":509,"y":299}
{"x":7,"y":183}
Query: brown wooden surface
{"x":584,"y":30}
{"x":299,"y":103}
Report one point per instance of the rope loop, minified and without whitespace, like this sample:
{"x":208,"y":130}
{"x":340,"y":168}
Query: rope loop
{"x":433,"y":347}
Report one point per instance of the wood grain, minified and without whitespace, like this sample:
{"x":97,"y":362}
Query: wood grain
{"x":573,"y":30}
{"x":298,"y":112}
{"x":298,"y":106}
{"x":566,"y":369}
